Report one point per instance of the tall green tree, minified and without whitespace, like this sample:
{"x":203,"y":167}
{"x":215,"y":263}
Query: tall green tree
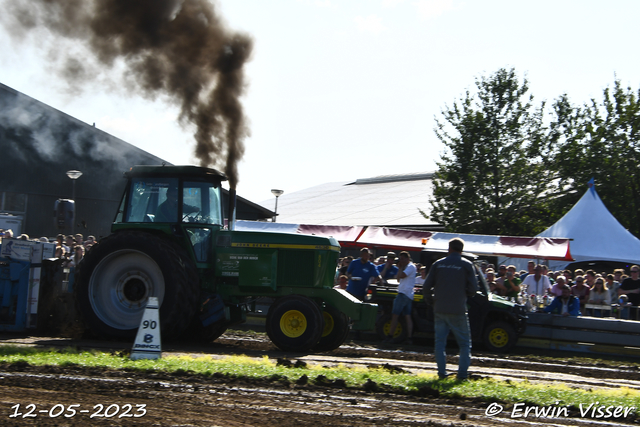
{"x":492,"y":177}
{"x":601,"y":140}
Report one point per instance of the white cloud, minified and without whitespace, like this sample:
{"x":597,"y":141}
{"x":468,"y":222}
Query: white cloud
{"x":317,"y":3}
{"x":428,"y":9}
{"x":391,"y":3}
{"x":370,"y":24}
{"x":323,"y":3}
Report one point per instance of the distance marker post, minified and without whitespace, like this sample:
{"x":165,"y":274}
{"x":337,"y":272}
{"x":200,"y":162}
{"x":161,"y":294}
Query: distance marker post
{"x":148,"y":344}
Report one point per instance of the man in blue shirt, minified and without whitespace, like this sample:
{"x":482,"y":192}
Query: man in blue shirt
{"x":360,"y":273}
{"x":565,"y":305}
{"x":388,"y":270}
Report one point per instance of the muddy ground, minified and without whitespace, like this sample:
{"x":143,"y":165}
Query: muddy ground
{"x":57,"y":396}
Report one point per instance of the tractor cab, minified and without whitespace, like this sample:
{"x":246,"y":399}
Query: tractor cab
{"x":172,"y":194}
{"x":183,"y":201}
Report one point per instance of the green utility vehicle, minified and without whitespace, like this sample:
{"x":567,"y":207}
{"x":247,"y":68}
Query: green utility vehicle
{"x":169,"y":241}
{"x":494,"y":321}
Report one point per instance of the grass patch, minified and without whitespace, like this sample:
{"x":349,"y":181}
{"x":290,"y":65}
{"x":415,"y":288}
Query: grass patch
{"x":379,"y":378}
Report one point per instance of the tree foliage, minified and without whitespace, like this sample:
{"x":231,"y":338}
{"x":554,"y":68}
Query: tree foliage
{"x":509,"y":169}
{"x":601,"y":140}
{"x":493,"y":177}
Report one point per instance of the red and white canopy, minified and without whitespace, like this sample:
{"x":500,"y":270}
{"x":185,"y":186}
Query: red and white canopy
{"x":400,"y":239}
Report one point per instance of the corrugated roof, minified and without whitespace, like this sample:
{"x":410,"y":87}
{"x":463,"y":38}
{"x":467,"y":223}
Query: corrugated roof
{"x":390,"y":201}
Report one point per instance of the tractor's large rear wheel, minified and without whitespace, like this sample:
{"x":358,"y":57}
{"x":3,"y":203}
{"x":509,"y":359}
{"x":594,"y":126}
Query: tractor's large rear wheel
{"x":336,"y":329}
{"x":117,"y":276}
{"x":294,"y":323}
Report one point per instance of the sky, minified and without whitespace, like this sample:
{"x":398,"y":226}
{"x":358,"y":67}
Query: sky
{"x":341,"y":90}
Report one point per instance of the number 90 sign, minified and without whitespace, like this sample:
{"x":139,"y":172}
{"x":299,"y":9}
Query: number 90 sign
{"x":147,"y":344}
{"x":149,"y":324}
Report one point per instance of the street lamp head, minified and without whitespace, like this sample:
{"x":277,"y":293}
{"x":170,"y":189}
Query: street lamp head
{"x":74,"y":174}
{"x":276,"y":193}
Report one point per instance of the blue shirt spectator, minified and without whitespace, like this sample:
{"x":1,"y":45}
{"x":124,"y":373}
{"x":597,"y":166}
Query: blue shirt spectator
{"x":360,"y":273}
{"x":565,"y":305}
{"x":388,"y":270}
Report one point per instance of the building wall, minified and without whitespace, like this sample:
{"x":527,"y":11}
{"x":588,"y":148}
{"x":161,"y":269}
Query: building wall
{"x":39,"y":144}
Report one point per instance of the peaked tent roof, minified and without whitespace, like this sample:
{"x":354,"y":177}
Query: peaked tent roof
{"x":596,"y":234}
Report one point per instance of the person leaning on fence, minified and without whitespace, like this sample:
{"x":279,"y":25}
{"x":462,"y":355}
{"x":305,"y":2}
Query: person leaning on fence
{"x":537,"y":283}
{"x":510,"y":286}
{"x":581,"y":290}
{"x":613,"y":286}
{"x":556,"y":289}
{"x":599,"y":293}
{"x":450,"y":282}
{"x":565,"y":305}
{"x":631,"y":286}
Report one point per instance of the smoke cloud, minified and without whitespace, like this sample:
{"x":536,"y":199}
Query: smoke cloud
{"x":178,"y":50}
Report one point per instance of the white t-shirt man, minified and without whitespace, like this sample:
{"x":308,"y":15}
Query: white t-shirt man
{"x":537,"y":286}
{"x":406,"y":285}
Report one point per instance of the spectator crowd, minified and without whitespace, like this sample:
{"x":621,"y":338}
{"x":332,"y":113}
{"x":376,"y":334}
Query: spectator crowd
{"x":564,"y":292}
{"x":71,"y":248}
{"x":568,"y":292}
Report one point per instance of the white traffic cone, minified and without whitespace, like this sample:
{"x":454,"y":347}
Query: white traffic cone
{"x":148,"y":344}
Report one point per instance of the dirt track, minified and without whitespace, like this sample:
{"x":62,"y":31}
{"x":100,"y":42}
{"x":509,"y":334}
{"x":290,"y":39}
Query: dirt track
{"x":192,"y":400}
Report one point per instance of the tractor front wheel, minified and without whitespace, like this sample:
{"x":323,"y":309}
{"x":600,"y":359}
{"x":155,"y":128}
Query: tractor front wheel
{"x":294,"y":323}
{"x":336,"y":329}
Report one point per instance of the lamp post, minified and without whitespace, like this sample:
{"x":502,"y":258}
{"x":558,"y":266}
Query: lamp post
{"x":276,"y":193}
{"x":74,"y":175}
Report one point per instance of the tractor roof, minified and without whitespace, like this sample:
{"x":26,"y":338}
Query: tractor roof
{"x":175,"y":171}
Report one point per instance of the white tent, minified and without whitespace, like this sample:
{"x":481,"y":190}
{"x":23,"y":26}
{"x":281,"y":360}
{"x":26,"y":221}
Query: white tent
{"x":596,"y":234}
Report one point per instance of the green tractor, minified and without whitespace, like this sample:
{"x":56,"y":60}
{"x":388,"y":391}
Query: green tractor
{"x":169,"y":241}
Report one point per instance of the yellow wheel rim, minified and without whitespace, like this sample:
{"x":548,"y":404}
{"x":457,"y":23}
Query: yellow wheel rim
{"x":387,"y":328}
{"x":293,"y":323}
{"x":498,"y":337}
{"x":328,"y":324}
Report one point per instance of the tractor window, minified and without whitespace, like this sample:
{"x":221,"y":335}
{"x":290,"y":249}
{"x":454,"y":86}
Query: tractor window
{"x":153,"y":200}
{"x":201,"y":203}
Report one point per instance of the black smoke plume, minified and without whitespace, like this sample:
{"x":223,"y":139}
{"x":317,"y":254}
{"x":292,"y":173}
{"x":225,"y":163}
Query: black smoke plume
{"x":178,"y":50}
